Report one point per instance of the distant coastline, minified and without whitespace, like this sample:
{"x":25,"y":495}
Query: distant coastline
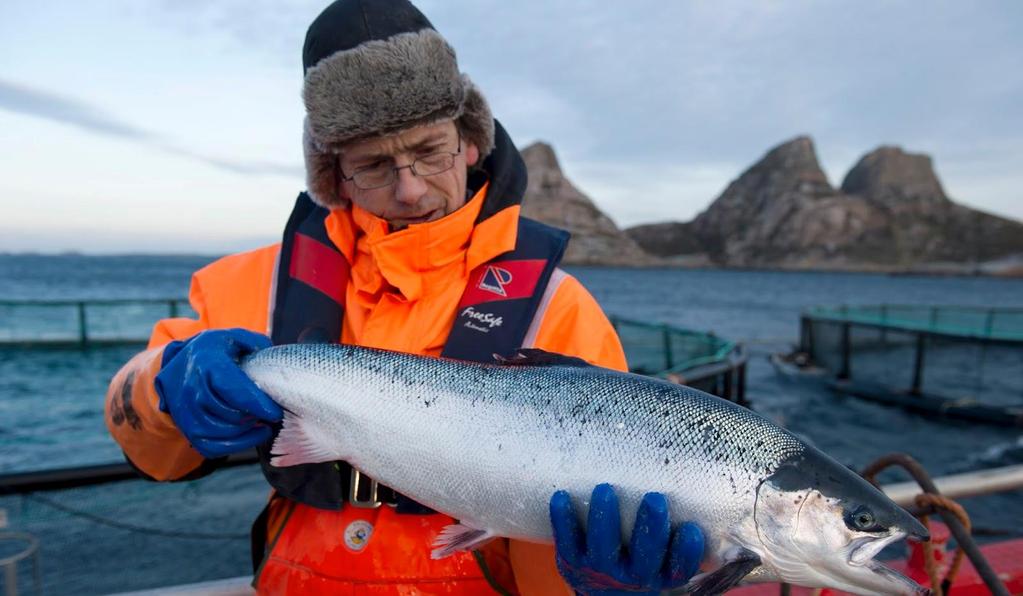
{"x":1012,"y":271}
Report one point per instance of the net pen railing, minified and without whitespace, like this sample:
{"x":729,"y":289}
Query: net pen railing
{"x":960,"y":321}
{"x":84,"y":322}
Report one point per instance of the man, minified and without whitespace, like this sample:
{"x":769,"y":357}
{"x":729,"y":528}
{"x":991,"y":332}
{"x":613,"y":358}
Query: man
{"x":409,"y":239}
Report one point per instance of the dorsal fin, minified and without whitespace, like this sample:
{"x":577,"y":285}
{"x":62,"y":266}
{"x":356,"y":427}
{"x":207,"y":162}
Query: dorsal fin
{"x":536,"y":357}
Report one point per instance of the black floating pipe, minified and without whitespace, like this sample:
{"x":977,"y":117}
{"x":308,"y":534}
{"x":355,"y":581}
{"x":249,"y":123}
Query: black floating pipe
{"x":63,"y":478}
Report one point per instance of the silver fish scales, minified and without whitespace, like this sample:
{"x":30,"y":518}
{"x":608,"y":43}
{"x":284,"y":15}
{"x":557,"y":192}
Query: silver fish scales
{"x":489,"y":444}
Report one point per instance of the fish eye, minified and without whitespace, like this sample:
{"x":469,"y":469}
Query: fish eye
{"x":862,"y":519}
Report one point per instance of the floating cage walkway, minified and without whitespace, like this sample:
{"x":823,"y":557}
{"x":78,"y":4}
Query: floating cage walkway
{"x":952,"y":361}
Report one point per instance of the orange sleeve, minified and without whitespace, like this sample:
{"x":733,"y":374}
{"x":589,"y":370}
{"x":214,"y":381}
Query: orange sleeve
{"x":231,"y":292}
{"x":148,"y":437}
{"x":574,"y":325}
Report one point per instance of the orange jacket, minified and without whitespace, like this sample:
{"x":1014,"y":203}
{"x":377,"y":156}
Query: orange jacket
{"x":402,"y":295}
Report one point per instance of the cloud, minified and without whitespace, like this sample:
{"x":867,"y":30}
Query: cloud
{"x":65,"y":110}
{"x":50,"y":106}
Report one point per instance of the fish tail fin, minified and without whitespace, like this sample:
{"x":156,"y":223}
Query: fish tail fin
{"x":300,"y":442}
{"x":458,"y":537}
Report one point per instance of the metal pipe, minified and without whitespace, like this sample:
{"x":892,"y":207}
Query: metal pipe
{"x":846,"y":371}
{"x":83,"y":326}
{"x":742,"y":385}
{"x":962,"y":536}
{"x":961,"y":486}
{"x":918,"y":365}
{"x":669,"y":360}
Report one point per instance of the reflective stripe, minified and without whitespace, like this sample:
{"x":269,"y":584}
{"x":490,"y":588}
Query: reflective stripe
{"x":273,"y":295}
{"x":534,"y":327}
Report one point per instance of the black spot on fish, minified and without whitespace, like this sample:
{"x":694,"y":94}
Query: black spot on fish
{"x":666,"y":460}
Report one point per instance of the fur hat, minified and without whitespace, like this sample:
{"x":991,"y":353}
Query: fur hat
{"x":377,"y":68}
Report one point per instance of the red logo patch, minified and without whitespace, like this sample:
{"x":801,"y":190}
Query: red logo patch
{"x":505,"y":280}
{"x":494,"y":279}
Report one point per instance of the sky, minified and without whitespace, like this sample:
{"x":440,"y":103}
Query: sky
{"x":175,"y":125}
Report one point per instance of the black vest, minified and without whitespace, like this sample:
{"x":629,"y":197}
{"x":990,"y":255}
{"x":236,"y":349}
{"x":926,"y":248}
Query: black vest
{"x":494,"y":315}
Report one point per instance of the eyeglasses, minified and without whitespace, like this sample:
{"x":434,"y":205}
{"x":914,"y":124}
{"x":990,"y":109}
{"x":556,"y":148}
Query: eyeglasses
{"x":381,"y":174}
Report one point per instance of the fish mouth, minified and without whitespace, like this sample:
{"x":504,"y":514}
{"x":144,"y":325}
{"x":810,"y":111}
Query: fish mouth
{"x":866,"y":549}
{"x":863,"y":556}
{"x":890,"y":574}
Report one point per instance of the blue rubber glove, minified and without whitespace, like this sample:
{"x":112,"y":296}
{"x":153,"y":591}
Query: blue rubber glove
{"x":597,"y":564}
{"x":217,"y":407}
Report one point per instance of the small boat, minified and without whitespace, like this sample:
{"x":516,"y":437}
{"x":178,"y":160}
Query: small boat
{"x":795,"y":364}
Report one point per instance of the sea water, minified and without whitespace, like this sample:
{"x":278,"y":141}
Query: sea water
{"x":51,"y":403}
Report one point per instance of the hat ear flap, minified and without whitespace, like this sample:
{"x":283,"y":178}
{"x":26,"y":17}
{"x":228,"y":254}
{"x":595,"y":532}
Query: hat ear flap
{"x":322,"y":172}
{"x":476,"y":122}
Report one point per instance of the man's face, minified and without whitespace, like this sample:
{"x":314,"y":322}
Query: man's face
{"x":411,"y":199}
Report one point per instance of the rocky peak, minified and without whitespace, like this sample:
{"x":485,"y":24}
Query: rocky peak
{"x":540,"y":156}
{"x":791,"y":166}
{"x":753,"y":207}
{"x":890,"y":175}
{"x":554,"y":200}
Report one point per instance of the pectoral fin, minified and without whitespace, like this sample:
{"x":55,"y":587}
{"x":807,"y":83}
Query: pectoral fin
{"x":537,"y":357}
{"x":725,"y":577}
{"x":458,"y":537}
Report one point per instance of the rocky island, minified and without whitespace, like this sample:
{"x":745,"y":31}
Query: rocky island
{"x":891,"y":213}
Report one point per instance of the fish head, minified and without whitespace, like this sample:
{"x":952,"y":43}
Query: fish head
{"x":821,"y":525}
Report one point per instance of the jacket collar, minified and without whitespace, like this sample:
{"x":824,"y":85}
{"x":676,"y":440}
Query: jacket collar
{"x":485,"y":227}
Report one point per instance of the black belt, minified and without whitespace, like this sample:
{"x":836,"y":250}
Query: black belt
{"x":362,"y":491}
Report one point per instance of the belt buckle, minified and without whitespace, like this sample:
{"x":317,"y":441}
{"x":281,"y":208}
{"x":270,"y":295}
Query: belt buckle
{"x":354,"y":499}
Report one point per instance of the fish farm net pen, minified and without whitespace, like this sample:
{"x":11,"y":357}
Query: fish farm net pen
{"x":956,"y":362}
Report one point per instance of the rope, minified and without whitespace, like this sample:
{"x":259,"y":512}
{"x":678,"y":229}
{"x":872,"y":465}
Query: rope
{"x":930,"y":500}
{"x":132,"y":527}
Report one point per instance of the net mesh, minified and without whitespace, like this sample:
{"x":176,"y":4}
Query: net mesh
{"x":653,"y":349}
{"x":133,"y":535}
